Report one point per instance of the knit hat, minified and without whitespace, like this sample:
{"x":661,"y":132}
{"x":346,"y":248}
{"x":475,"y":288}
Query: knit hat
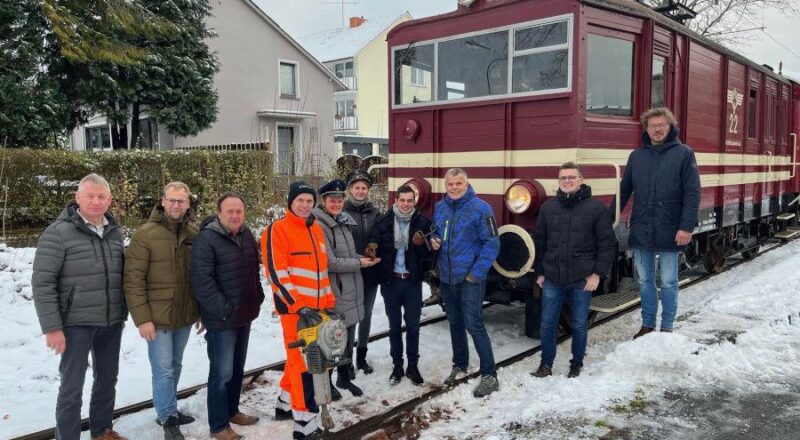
{"x":297,"y":188}
{"x":357,"y":175}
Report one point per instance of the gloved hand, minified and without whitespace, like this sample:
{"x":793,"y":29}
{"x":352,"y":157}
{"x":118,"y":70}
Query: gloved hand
{"x":371,"y":251}
{"x":418,"y":239}
{"x":310,"y":315}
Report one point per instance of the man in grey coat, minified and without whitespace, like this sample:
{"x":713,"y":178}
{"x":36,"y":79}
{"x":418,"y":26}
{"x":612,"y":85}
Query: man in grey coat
{"x":77,"y":291}
{"x":344,"y":268}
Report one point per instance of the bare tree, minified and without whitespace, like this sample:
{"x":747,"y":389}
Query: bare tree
{"x":731,"y":22}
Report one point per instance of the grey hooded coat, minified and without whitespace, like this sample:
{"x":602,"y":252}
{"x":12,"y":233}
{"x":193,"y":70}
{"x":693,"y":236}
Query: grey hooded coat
{"x":344,"y":269}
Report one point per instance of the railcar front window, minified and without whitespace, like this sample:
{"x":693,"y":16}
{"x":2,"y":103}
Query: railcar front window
{"x":413,"y":74}
{"x":541,"y":58}
{"x":610,"y":76}
{"x":473,"y":66}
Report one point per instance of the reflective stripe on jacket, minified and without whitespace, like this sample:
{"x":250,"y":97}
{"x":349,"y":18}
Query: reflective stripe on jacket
{"x":296,"y":264}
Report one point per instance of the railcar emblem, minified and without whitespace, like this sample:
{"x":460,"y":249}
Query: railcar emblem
{"x":735,"y":99}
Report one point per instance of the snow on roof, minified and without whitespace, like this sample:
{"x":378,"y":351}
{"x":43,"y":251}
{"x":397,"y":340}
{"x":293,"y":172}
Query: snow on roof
{"x":342,"y":43}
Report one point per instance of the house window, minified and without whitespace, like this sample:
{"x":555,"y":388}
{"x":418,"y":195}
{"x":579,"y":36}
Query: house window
{"x":345,"y":108}
{"x":343,"y":70}
{"x":286,"y":150}
{"x":357,"y":148}
{"x":288,"y":78}
{"x":417,"y":77}
{"x":148,"y":134}
{"x":541,"y":58}
{"x":610,"y":76}
{"x":98,"y":138}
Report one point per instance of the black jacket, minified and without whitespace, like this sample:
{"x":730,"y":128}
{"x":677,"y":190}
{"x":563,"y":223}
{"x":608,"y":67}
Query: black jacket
{"x":417,"y":257}
{"x":666,"y":187}
{"x":365,"y":216}
{"x":225,"y":276}
{"x":574,"y":237}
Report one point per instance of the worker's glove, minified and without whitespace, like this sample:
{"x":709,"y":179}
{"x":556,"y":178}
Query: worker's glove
{"x":310,"y":315}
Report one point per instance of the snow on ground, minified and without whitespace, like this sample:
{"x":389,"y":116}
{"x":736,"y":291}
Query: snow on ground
{"x":733,"y":338}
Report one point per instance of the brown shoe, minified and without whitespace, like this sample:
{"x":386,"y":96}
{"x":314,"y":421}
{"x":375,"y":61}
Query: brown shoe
{"x":227,"y":434}
{"x":243,"y":419}
{"x":109,"y":434}
{"x":643,"y":331}
{"x":542,"y":371}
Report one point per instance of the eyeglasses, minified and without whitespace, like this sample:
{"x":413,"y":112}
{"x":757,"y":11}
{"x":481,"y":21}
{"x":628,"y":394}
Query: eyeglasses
{"x":657,"y":126}
{"x":179,"y":202}
{"x":568,"y":178}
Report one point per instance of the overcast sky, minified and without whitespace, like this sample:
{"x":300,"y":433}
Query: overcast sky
{"x":306,"y":17}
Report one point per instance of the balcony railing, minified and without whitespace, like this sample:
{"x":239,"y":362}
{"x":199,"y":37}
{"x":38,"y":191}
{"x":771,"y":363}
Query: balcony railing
{"x":350,"y":82}
{"x":346,"y":123}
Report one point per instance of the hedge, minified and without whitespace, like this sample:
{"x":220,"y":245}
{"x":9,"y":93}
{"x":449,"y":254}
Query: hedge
{"x":40,"y":183}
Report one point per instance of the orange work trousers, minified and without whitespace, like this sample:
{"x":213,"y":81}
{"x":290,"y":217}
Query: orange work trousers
{"x":296,"y":379}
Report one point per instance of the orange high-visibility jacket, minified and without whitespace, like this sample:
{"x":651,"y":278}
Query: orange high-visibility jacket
{"x":296,"y":265}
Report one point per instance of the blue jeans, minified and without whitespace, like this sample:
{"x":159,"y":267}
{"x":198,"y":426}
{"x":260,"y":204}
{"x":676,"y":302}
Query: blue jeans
{"x":403,"y":300}
{"x":103,"y":343}
{"x":166,"y":354}
{"x":645,"y":260}
{"x":463,"y":303}
{"x":553,"y":296}
{"x":227,"y":351}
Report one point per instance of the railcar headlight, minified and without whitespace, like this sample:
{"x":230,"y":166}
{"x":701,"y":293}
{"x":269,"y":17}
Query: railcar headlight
{"x":518,"y":198}
{"x":422,"y":190}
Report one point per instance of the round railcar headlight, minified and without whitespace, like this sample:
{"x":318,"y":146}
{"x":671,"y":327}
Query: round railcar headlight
{"x":422,"y":190}
{"x":518,"y":198}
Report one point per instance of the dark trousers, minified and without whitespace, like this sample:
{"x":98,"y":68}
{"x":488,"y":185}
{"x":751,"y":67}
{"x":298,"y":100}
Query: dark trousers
{"x":403,"y":299}
{"x":463,"y":303}
{"x":365,"y":324}
{"x":103,"y":344}
{"x":227,"y":351}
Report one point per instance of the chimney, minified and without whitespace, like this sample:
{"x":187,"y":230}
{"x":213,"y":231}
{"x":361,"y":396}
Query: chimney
{"x":356,"y":22}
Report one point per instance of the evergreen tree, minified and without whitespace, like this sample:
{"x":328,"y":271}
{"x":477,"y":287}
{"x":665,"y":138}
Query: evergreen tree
{"x":32,"y":112}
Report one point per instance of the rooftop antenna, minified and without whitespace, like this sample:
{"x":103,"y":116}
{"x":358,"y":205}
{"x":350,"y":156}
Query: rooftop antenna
{"x":342,"y":3}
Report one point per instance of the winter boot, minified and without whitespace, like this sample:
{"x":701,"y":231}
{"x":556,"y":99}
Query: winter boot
{"x":574,"y":372}
{"x":351,"y":371}
{"x":397,"y":375}
{"x":542,"y":371}
{"x":183,"y":419}
{"x":486,"y":386}
{"x":413,"y":375}
{"x":361,"y":360}
{"x":172,"y":430}
{"x":455,"y":374}
{"x":314,"y":435}
{"x":343,"y":381}
{"x":643,"y":331}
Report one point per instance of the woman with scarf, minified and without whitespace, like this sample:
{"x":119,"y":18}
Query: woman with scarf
{"x":398,"y":239}
{"x":344,"y":270}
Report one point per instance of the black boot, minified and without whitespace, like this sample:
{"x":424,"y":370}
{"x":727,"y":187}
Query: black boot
{"x":343,"y":381}
{"x":361,"y":360}
{"x":172,"y":430}
{"x":335,"y":394}
{"x":413,"y":375}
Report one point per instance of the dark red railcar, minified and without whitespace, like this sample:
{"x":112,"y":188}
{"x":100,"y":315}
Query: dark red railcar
{"x":510,"y":89}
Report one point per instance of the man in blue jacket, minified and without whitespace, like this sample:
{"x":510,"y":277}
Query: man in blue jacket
{"x":663,"y":177}
{"x":466,"y":236}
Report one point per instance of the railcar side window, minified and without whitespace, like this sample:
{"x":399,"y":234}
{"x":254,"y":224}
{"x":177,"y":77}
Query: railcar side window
{"x":413,"y":74}
{"x":657,"y":83}
{"x":473,"y":66}
{"x":541,"y":58}
{"x":752,"y":109}
{"x":610,"y":76}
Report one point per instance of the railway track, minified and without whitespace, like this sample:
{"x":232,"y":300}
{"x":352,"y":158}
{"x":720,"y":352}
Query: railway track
{"x":389,"y":421}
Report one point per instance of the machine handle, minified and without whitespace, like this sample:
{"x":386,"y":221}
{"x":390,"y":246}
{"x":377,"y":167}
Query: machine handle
{"x":297,"y":344}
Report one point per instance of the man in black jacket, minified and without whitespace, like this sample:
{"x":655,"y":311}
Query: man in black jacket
{"x":663,"y":177}
{"x":226,"y":282}
{"x":77,"y":291}
{"x":398,"y":239}
{"x":575,"y":248}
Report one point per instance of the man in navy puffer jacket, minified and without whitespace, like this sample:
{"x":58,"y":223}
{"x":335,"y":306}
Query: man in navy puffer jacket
{"x":466,"y":236}
{"x":663,"y":177}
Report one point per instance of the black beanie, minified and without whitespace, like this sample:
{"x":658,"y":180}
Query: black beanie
{"x":297,"y":188}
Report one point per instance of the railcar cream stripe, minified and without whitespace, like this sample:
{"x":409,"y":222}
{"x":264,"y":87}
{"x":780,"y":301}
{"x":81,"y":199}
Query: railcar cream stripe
{"x":600,"y":187}
{"x":557,"y":156}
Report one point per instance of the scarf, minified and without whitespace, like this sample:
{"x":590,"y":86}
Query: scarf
{"x":356,"y":203}
{"x":401,"y":225}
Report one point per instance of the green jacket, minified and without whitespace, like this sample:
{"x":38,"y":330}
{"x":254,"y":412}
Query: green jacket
{"x":156,"y":278}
